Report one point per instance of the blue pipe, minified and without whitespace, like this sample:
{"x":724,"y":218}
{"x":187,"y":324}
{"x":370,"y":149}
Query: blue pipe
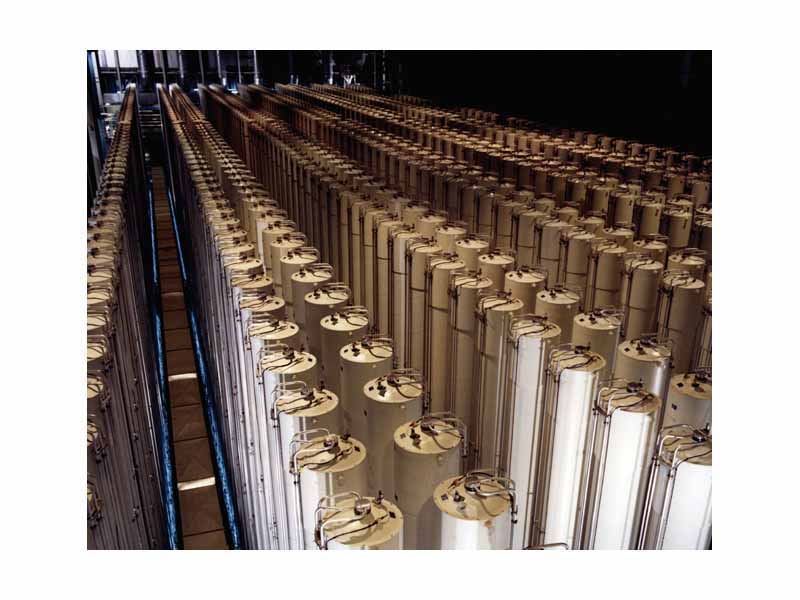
{"x":224,"y":486}
{"x":169,"y":477}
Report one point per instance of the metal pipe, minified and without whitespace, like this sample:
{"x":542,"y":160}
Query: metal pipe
{"x":119,"y":73}
{"x":256,"y":78}
{"x":238,"y":68}
{"x":174,"y":533}
{"x":181,"y":68}
{"x":222,"y":78}
{"x":200,"y":58}
{"x":163,"y":64}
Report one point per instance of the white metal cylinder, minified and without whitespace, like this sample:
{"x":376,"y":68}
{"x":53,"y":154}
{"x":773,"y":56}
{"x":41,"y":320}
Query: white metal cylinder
{"x":573,"y":385}
{"x":303,"y":282}
{"x":360,"y":362}
{"x":691,"y":260}
{"x":494,"y":265}
{"x":326,"y":464}
{"x":469,"y":249}
{"x":689,"y":400}
{"x":679,"y":313}
{"x":533,"y":339}
{"x":291,"y":263}
{"x":646,"y":360}
{"x":420,"y":252}
{"x":640,"y":295}
{"x":655,"y":246}
{"x":524,"y":243}
{"x":549,"y":249}
{"x":337,"y":330}
{"x":428,"y":224}
{"x":447,"y":236}
{"x":574,"y":263}
{"x":389,"y":401}
{"x":399,"y":293}
{"x":494,"y":313}
{"x":279,"y":248}
{"x":322,"y":301}
{"x":346,"y":528}
{"x":438,"y":334}
{"x":606,"y":274}
{"x":384,"y":274}
{"x":524,"y":283}
{"x":560,"y":305}
{"x":296,"y":409}
{"x":627,"y":418}
{"x":599,"y":330}
{"x":679,"y":498}
{"x":426,"y":452}
{"x":677,"y":227}
{"x":471,"y":521}
{"x":464,"y":289}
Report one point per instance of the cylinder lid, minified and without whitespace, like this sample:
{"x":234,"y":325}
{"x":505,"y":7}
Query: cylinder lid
{"x":394,"y":388}
{"x":259,"y":305}
{"x":344,"y":322}
{"x":500,"y":302}
{"x":366,"y":352}
{"x":452,"y":497}
{"x":629,"y":397}
{"x":696,"y":385}
{"x":577,"y":359}
{"x":558,"y":296}
{"x":273,"y":329}
{"x":526,"y":276}
{"x":313,"y":403}
{"x":691,"y":446}
{"x":288,"y":362}
{"x":496,"y":258}
{"x":597,"y":321}
{"x":331,"y":454}
{"x":530,"y":326}
{"x":645,"y":349}
{"x":383,"y":522}
{"x":427,"y":436}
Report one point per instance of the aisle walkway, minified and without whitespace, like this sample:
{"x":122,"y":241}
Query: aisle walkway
{"x":199,"y":505}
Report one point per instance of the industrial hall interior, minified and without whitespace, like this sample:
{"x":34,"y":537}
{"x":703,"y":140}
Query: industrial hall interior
{"x":368,"y":300}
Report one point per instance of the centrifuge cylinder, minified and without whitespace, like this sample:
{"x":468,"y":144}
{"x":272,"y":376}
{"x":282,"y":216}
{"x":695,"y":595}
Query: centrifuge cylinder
{"x":640,"y":295}
{"x":573,"y":381}
{"x":360,"y":362}
{"x":689,"y":400}
{"x":324,"y":464}
{"x":348,"y":324}
{"x":646,"y":360}
{"x":390,"y":401}
{"x":476,"y":512}
{"x":494,"y":265}
{"x":678,"y":505}
{"x":599,"y":330}
{"x":560,"y":305}
{"x":494,"y":314}
{"x":532,"y":338}
{"x":524,"y":283}
{"x":354,"y":522}
{"x":625,"y":421}
{"x":427,"y":451}
{"x":438,"y":334}
{"x":469,"y":249}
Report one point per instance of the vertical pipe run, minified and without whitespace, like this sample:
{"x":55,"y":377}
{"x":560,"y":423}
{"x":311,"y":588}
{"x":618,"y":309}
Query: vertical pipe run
{"x":256,"y":78}
{"x":119,"y":73}
{"x":174,"y":534}
{"x":200,"y":58}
